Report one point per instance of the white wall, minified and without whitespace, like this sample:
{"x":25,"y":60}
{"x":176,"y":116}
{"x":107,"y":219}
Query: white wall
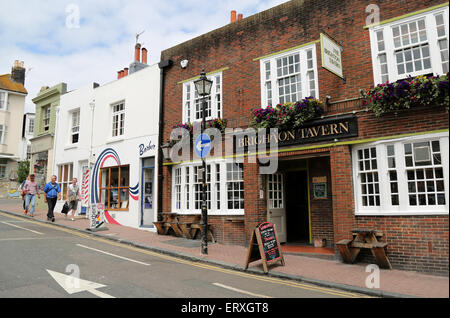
{"x":140,"y":92}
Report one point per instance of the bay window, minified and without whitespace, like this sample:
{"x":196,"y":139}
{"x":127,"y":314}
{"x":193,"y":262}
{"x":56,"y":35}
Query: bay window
{"x":412,"y":46}
{"x":403,"y":176}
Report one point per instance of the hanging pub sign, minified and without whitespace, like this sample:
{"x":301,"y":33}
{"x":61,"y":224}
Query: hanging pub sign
{"x":331,"y":55}
{"x":264,"y":246}
{"x":317,"y":130}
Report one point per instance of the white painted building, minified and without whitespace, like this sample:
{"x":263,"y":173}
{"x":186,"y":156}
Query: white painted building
{"x":107,"y":137}
{"x":27,"y":134}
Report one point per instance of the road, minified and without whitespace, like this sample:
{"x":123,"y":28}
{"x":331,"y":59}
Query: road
{"x":41,"y":260}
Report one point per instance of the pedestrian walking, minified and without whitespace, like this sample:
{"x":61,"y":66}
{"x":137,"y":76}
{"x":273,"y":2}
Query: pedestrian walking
{"x":22,"y":194}
{"x":30,"y":190}
{"x":52,"y":192}
{"x":73,"y":196}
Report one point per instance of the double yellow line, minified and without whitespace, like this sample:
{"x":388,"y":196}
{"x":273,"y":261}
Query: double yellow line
{"x":272,"y":280}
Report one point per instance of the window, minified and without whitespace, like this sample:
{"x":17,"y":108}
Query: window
{"x":115,"y":187}
{"x":28,"y":152}
{"x":118,"y":119}
{"x":75,"y":127}
{"x":3,"y":101}
{"x":405,"y":176}
{"x":3,"y":163}
{"x":289,"y":76}
{"x":46,"y":118}
{"x":192,"y":102}
{"x":3,"y":134}
{"x":65,"y":178}
{"x":31,"y":125}
{"x":416,"y":45}
{"x":224,"y":190}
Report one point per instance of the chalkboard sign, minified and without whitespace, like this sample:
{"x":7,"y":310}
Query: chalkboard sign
{"x":264,"y":245}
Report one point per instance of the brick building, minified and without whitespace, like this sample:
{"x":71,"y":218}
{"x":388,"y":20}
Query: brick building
{"x":371,"y":175}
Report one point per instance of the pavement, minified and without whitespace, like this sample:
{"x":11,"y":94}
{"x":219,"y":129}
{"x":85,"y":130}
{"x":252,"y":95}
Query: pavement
{"x":323,"y":272}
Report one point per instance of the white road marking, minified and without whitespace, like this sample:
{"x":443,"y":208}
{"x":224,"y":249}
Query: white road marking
{"x":36,"y":232}
{"x":118,"y":256}
{"x":240,"y":291}
{"x":74,"y":285}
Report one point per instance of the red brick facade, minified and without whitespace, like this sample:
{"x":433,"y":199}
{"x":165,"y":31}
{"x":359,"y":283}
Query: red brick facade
{"x":415,"y":242}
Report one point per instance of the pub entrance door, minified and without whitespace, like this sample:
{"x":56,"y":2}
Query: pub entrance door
{"x":276,"y":208}
{"x":297,"y":207}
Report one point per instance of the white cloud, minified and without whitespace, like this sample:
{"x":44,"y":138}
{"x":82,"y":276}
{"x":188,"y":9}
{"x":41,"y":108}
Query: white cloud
{"x":35,"y":32}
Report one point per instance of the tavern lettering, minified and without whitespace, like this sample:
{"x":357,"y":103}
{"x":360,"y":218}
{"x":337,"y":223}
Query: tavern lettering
{"x":327,"y":129}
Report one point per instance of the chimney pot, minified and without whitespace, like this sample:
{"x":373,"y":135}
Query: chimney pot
{"x":118,"y":74}
{"x":125,"y":71}
{"x":233,"y":16}
{"x":144,"y":55}
{"x":240,"y":16}
{"x":137,"y":52}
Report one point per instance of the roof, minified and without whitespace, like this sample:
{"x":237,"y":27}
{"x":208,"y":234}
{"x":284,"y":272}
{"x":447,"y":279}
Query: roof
{"x":7,"y":84}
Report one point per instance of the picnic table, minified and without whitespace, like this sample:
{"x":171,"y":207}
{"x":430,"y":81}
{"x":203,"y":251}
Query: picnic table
{"x":364,"y":238}
{"x":181,"y":229}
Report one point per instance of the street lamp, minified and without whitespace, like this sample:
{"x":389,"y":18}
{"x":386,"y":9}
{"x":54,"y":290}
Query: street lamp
{"x":203,"y":87}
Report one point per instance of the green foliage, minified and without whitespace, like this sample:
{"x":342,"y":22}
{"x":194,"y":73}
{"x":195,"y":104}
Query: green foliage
{"x":23,"y":170}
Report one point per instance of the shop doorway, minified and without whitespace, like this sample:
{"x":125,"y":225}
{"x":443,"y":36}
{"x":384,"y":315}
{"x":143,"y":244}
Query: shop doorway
{"x":297,"y":207}
{"x":147,"y":197}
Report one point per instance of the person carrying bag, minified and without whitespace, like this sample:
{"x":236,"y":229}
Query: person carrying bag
{"x":73,"y":196}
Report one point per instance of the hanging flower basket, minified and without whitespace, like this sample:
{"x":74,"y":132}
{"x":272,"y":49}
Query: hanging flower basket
{"x":420,"y":91}
{"x":287,"y":116}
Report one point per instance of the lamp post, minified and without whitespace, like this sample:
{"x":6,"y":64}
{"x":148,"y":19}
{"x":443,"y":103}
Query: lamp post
{"x":203,"y":87}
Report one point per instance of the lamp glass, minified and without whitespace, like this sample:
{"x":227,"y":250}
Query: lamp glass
{"x":203,"y":85}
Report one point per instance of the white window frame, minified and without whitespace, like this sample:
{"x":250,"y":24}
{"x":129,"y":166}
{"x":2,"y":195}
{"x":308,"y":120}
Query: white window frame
{"x":190,"y":96}
{"x":121,"y":123}
{"x":3,"y":173}
{"x":46,"y":115}
{"x":31,"y":125}
{"x":386,"y":208}
{"x":4,"y":102}
{"x":189,"y":190}
{"x":74,"y":129}
{"x":3,"y":134}
{"x":304,"y":78}
{"x":432,"y":40}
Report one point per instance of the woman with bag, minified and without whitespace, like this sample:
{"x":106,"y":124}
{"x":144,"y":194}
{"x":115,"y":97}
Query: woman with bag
{"x":73,"y":196}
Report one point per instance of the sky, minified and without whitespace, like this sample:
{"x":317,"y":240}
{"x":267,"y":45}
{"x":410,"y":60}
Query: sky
{"x":86,"y":41}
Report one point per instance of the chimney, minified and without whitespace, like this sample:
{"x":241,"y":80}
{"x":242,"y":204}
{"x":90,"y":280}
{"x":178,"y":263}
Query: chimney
{"x":240,"y":16}
{"x":233,"y":16}
{"x":144,"y":55}
{"x":137,"y":52}
{"x":18,"y":72}
{"x":125,"y":71}
{"x":118,"y":74}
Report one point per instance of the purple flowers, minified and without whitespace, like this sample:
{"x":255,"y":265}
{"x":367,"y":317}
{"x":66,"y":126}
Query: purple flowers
{"x":411,"y":92}
{"x":288,"y":115}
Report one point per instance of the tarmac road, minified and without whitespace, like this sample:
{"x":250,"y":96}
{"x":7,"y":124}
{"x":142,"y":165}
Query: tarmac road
{"x":39,"y":260}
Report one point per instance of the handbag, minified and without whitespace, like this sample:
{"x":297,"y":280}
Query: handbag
{"x":65,"y":208}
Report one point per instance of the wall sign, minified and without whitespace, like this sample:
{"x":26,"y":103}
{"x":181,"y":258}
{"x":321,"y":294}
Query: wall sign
{"x":320,"y":190}
{"x":318,"y":130}
{"x":331,"y":55}
{"x":264,"y":245}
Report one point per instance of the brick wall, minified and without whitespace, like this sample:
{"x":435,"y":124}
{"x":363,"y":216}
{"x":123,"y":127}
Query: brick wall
{"x":417,"y":242}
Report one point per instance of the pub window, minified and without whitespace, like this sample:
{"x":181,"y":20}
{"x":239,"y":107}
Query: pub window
{"x":402,"y":177}
{"x":65,"y":177}
{"x":192,"y":102}
{"x":289,"y":76}
{"x":416,"y":45}
{"x":115,"y":187}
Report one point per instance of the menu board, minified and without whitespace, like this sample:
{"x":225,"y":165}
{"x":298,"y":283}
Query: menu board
{"x":269,"y":241}
{"x":264,"y":246}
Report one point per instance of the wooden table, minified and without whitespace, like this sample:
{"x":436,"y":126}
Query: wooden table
{"x":364,"y":238}
{"x":182,"y":229}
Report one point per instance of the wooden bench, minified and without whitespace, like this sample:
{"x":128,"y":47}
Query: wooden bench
{"x":364,"y":238}
{"x":195,"y":227}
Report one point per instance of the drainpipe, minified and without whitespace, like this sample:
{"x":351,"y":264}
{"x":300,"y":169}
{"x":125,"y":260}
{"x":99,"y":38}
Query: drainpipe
{"x":162,"y":65}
